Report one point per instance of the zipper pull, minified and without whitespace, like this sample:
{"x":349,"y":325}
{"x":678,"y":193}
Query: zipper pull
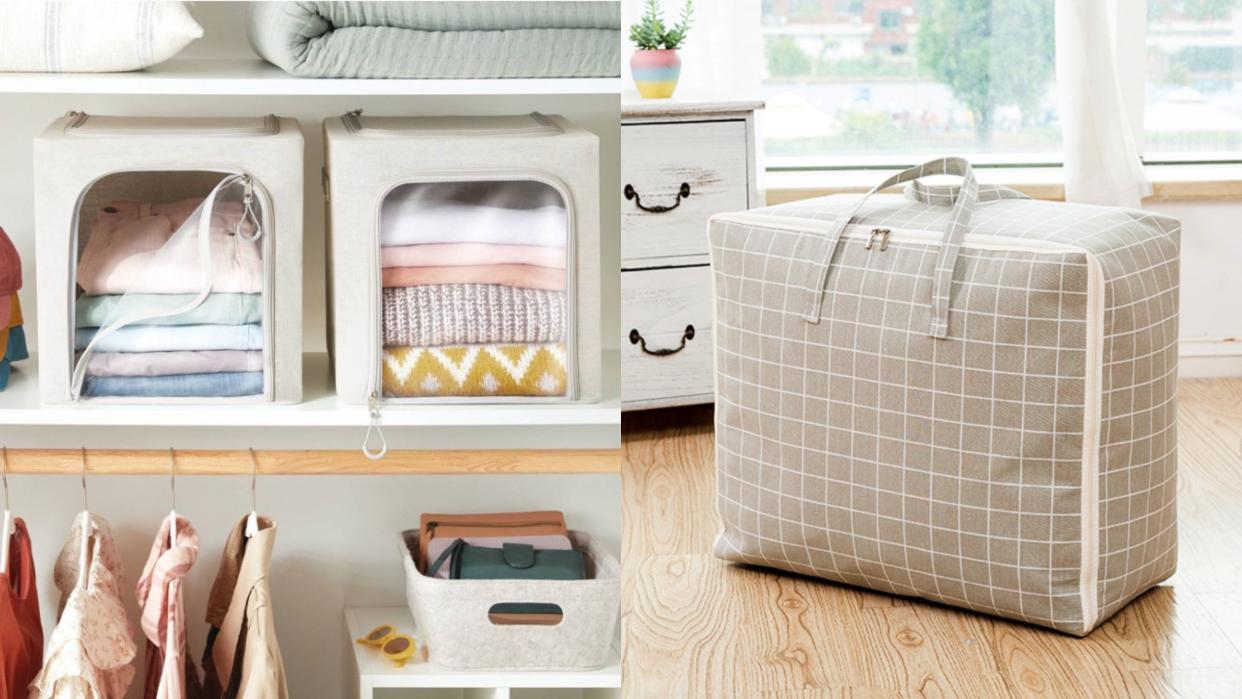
{"x":76,"y":117}
{"x":354,"y":113}
{"x":882,"y":234}
{"x":248,"y":212}
{"x":373,"y":407}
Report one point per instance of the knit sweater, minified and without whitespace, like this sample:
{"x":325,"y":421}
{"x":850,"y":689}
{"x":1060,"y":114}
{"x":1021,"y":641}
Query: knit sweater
{"x":459,"y":314}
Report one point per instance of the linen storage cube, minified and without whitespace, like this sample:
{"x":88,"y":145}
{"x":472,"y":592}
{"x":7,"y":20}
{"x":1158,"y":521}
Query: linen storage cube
{"x":169,"y":254}
{"x":958,"y":394}
{"x":464,"y":258}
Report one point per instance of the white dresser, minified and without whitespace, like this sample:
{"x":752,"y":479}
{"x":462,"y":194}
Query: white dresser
{"x":682,"y":160}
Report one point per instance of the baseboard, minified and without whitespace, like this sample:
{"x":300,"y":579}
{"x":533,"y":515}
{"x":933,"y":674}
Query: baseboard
{"x":1202,"y":358}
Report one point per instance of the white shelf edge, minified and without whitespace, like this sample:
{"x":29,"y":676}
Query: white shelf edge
{"x":256,"y":77}
{"x":20,"y":405}
{"x":381,"y":674}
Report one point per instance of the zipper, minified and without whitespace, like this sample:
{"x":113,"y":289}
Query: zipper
{"x":857,"y":231}
{"x":543,"y":126}
{"x":431,"y":526}
{"x":251,"y":191}
{"x":79,"y":118}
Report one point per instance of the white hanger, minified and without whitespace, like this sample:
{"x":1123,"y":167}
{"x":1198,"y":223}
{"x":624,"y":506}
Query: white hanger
{"x":84,"y":555}
{"x":9,"y":528}
{"x":252,"y":521}
{"x":172,"y":515}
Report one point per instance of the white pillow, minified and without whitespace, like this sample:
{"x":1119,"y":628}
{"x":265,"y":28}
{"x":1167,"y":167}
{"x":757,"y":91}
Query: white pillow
{"x":92,"y":37}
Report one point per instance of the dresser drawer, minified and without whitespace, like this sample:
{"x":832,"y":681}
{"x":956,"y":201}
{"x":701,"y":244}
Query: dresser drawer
{"x":659,"y":304}
{"x":710,"y":158}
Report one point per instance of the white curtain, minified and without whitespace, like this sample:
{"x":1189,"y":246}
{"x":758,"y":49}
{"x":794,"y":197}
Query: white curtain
{"x":1102,"y":163}
{"x":723,"y":54}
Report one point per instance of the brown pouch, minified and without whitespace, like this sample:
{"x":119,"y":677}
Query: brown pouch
{"x":460,"y":526}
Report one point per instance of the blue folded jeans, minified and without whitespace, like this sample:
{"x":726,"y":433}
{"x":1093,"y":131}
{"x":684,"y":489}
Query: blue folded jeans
{"x":221,"y":385}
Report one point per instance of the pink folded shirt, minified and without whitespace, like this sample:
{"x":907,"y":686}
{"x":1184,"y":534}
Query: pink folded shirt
{"x":524,"y":276}
{"x":132,"y":248}
{"x":547,"y":542}
{"x":462,"y":254}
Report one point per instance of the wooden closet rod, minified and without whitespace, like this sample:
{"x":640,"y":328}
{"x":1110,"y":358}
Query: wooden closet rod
{"x":315,"y":462}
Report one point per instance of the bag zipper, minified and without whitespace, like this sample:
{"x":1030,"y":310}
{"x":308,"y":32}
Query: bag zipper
{"x":78,"y":118}
{"x":543,"y":127}
{"x":431,"y":526}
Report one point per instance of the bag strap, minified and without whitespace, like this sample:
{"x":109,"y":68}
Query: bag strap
{"x":942,"y":274}
{"x":450,"y":555}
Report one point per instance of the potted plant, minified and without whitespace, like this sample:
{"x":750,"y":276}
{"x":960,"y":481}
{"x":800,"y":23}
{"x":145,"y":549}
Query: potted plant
{"x":655,"y":65}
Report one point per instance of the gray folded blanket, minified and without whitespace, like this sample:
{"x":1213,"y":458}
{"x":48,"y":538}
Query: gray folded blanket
{"x":439,"y":39}
{"x":460,"y":314}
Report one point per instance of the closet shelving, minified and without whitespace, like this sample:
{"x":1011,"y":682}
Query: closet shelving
{"x":256,"y":77}
{"x":374,"y":674}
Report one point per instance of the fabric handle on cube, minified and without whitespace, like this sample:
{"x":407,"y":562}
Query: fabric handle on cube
{"x":942,"y":275}
{"x":206,"y":277}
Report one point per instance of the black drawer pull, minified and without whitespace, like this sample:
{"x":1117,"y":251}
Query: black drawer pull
{"x":632,"y":194}
{"x":636,"y":338}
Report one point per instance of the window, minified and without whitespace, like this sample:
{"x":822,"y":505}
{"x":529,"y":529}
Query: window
{"x":896,"y":79}
{"x":1193,"y":96}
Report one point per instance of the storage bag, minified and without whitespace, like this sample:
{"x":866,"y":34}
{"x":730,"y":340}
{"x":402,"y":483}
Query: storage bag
{"x":464,"y":258}
{"x":454,"y":617}
{"x":169,"y":259}
{"x":957,"y":393}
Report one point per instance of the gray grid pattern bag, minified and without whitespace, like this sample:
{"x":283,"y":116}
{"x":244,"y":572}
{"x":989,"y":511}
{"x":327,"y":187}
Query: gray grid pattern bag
{"x":959,"y":394}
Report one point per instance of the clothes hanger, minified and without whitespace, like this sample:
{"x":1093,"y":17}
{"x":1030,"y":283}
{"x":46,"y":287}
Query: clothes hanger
{"x":172,"y":515}
{"x":252,"y":520}
{"x":9,"y":527}
{"x":84,"y":555}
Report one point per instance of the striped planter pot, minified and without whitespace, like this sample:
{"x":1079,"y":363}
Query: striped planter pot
{"x":656,"y":72}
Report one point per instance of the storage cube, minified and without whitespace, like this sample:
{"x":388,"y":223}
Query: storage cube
{"x":464,"y":258}
{"x":169,"y":257}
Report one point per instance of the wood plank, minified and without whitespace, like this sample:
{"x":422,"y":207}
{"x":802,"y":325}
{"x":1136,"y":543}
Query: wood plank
{"x":307,"y":462}
{"x":696,"y":626}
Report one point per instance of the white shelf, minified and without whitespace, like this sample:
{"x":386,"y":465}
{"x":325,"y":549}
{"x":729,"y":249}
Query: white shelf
{"x":257,"y":77}
{"x":379,"y":673}
{"x":19,"y":405}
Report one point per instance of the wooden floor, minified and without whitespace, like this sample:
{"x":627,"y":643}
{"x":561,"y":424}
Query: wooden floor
{"x":698,"y":627}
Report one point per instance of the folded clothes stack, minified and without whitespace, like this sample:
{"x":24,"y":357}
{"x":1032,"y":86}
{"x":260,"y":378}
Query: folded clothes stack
{"x":12,"y":334}
{"x":137,"y":265}
{"x":474,"y":302}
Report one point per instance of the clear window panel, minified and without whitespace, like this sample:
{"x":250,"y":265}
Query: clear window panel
{"x":850,"y":82}
{"x":475,"y":300}
{"x":1193,"y":105}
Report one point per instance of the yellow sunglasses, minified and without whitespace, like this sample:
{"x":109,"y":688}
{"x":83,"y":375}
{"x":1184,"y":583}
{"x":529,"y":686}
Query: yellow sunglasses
{"x":397,"y":647}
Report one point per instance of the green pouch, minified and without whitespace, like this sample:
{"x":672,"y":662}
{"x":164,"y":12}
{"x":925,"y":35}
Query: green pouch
{"x":511,"y":562}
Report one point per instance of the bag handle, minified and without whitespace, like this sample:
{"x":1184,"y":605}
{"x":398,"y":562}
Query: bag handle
{"x":450,"y":555}
{"x":942,"y":275}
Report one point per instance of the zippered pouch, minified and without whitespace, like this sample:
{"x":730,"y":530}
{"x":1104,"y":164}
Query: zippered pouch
{"x":448,"y":527}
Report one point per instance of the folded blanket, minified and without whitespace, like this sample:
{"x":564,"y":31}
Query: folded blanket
{"x":439,"y":39}
{"x":475,"y":370}
{"x":524,"y":276}
{"x":463,"y":314}
{"x":459,"y":254}
{"x":222,"y":385}
{"x":174,"y":338}
{"x":217,"y":309}
{"x":108,"y":364}
{"x":131,"y":248}
{"x":501,"y":213}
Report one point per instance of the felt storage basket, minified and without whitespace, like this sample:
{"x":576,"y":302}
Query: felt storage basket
{"x":464,"y":338}
{"x":957,"y":393}
{"x":143,"y":223}
{"x":451,"y":616}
